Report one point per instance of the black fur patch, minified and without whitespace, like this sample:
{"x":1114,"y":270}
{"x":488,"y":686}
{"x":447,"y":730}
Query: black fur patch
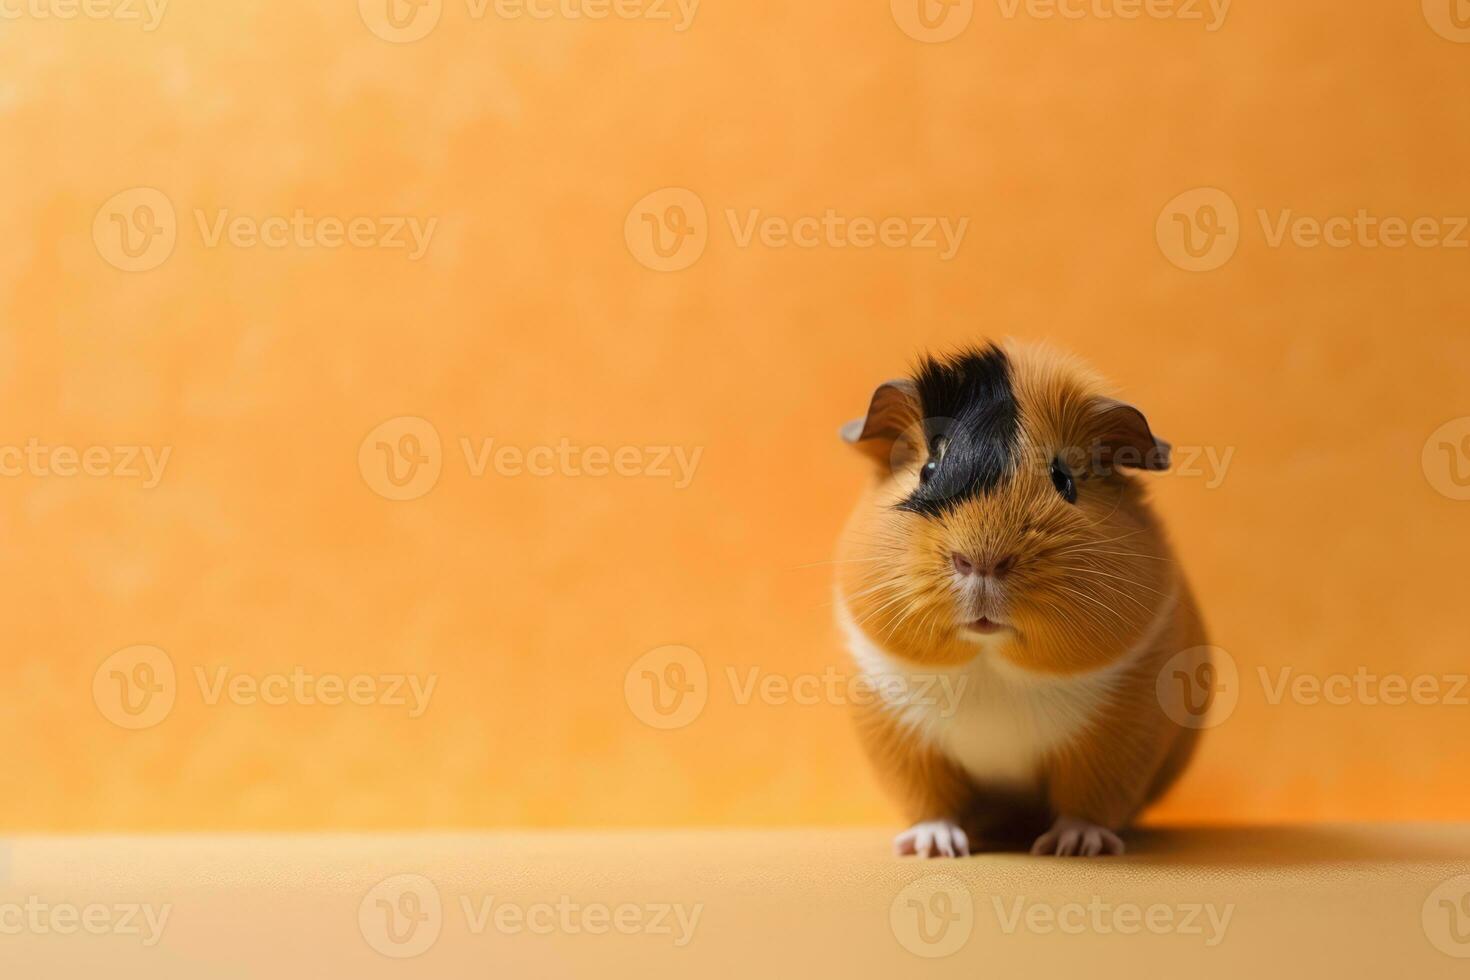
{"x":970,"y":411}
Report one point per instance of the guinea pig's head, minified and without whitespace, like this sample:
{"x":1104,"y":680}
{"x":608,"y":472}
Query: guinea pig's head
{"x":1005,"y":515}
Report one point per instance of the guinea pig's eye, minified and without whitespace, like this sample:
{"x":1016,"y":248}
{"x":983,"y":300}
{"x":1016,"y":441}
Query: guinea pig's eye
{"x":1061,"y":478}
{"x":931,"y":465}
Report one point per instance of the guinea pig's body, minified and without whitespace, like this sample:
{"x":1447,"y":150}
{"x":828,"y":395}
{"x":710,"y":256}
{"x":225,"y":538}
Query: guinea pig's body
{"x":1011,"y":600}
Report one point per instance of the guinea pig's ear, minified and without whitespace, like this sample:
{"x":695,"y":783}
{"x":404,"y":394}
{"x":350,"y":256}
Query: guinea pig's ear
{"x":1124,"y":438}
{"x":893,"y":410}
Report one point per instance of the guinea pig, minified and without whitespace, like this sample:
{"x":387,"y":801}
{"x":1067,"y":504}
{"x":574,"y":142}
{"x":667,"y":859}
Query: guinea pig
{"x":1006,"y":556}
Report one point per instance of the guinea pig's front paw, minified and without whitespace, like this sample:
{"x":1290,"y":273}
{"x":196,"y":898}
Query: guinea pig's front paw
{"x":1070,"y":836}
{"x":932,"y":838}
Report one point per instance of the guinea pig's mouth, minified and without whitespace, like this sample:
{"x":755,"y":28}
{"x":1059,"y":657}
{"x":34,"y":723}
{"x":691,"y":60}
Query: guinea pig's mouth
{"x":985,"y":626}
{"x":982,"y":611}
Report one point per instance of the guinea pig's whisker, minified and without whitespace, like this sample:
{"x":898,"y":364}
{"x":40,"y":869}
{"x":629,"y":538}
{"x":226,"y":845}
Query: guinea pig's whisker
{"x":1096,"y":602}
{"x":1113,"y":540}
{"x":1115,"y":573}
{"x":1113,"y":590}
{"x":1119,"y":554}
{"x":1107,"y":518}
{"x":895,"y":603}
{"x":871,"y":590}
{"x":880,"y":617}
{"x":897,"y":598}
{"x":888,"y":624}
{"x":871,"y":619}
{"x":1091,"y":549}
{"x":901,"y":614}
{"x":1121,"y":578}
{"x":939,"y":627}
{"x":1081,"y":634}
{"x":842,"y":561}
{"x":923,"y":621}
{"x":1104,"y":573}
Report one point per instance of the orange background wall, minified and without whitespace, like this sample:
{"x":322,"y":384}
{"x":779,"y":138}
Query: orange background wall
{"x":1329,"y":545}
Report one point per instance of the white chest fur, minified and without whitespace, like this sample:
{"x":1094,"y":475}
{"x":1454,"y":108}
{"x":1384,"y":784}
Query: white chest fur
{"x":994,"y":719}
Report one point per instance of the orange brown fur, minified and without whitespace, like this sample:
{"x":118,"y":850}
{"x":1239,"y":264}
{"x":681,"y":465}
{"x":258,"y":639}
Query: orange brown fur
{"x":1094,"y":582}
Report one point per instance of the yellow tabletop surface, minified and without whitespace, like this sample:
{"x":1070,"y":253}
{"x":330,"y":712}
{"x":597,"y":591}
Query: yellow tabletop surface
{"x":1340,"y":900}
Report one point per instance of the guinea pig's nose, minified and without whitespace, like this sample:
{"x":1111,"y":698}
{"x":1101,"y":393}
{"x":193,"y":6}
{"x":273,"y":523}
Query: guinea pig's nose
{"x":988,"y":567}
